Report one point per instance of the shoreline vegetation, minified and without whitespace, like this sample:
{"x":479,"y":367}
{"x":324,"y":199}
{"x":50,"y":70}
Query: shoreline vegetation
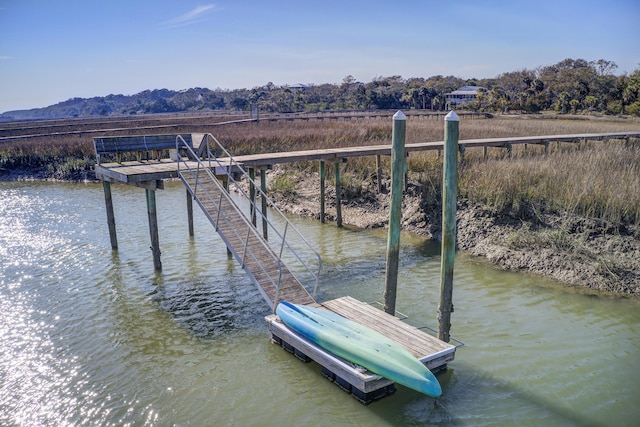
{"x":572,"y":215}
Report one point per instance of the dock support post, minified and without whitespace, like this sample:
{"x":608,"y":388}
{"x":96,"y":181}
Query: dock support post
{"x":153,"y":228}
{"x":322,"y":175}
{"x":111,"y":218}
{"x":338,"y":193}
{"x":263,"y":197}
{"x":190,"y":212}
{"x":406,"y":172}
{"x":398,"y":171}
{"x":379,"y":173}
{"x":449,"y":196}
{"x":225,"y":185}
{"x":252,"y":195}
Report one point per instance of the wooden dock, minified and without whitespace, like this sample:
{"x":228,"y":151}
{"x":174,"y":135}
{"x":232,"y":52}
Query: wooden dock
{"x":206,"y":182}
{"x":364,"y":385}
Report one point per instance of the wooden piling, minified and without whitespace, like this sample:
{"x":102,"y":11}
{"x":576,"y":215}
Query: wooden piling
{"x":379,"y":173}
{"x":252,"y":196}
{"x":153,"y":228}
{"x":190,"y":212}
{"x":263,"y":188}
{"x":111,"y":219}
{"x":398,"y":169}
{"x":338,"y":193}
{"x":449,"y":196}
{"x":225,"y":185}
{"x":322,"y":185}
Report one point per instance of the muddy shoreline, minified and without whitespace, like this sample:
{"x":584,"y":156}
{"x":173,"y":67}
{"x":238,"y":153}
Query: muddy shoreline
{"x":583,"y":253}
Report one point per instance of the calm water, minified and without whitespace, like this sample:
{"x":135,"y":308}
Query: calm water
{"x":91,"y":337}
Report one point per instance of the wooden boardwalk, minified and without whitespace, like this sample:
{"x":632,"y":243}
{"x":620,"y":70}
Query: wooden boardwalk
{"x":141,"y":171}
{"x":269,"y":159}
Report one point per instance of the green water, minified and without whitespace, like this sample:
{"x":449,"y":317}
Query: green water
{"x":91,"y":337}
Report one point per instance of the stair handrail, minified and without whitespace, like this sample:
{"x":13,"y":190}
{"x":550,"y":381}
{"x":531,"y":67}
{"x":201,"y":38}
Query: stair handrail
{"x":288,"y":224}
{"x":231,"y":166}
{"x":250,"y":229}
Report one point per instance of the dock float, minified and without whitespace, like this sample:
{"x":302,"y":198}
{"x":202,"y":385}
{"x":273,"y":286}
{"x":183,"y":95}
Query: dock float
{"x":362,"y":384}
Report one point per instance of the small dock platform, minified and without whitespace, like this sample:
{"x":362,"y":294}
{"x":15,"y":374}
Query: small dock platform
{"x":364,"y":385}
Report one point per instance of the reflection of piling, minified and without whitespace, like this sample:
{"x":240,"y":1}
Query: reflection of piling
{"x":398,"y":169}
{"x":449,"y":195}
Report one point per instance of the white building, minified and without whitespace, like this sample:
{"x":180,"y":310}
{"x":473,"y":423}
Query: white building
{"x":462,"y":96}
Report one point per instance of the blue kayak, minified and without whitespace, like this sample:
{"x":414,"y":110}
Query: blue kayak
{"x":359,"y":345}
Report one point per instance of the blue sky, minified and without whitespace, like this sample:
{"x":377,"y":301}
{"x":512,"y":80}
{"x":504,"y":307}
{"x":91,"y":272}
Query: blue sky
{"x":51,"y":51}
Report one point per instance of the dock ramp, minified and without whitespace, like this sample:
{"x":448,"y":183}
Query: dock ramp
{"x":216,"y":184}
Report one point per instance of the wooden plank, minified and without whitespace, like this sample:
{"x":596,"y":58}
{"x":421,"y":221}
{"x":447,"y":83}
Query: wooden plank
{"x":422,"y":345}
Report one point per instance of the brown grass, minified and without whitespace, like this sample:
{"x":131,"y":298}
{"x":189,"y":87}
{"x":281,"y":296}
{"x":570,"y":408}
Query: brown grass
{"x":595,"y":179}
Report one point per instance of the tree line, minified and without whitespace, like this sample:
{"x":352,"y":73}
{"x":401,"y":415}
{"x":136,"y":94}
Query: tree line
{"x":569,"y":86}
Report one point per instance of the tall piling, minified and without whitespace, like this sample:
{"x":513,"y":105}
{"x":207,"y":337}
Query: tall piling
{"x":153,"y":228}
{"x":398,"y":170}
{"x":111,"y":218}
{"x":449,"y":196}
{"x":338,"y":192}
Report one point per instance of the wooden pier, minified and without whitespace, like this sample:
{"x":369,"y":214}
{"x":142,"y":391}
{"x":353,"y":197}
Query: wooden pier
{"x":146,"y":161}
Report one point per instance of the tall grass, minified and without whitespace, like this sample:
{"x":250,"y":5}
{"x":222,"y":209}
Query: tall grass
{"x":595,"y":179}
{"x":599,"y":180}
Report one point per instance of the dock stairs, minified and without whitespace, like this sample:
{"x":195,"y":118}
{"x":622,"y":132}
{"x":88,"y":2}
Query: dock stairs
{"x":215,"y":181}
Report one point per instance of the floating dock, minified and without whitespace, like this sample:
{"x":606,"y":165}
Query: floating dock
{"x":364,"y":385}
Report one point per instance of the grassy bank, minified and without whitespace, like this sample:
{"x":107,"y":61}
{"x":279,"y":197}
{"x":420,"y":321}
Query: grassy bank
{"x":598,"y":180}
{"x":573,"y":214}
{"x":594,"y":179}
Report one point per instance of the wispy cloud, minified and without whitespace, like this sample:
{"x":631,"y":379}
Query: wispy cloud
{"x":192,"y":17}
{"x":4,"y":57}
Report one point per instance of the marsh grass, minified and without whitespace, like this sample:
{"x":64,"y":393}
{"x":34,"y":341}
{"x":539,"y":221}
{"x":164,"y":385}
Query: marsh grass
{"x":595,"y":179}
{"x":598,"y":180}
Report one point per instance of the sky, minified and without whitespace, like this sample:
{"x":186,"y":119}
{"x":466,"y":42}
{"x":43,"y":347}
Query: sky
{"x":51,"y":51}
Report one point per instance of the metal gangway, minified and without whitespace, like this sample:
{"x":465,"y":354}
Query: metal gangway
{"x":261,"y":255}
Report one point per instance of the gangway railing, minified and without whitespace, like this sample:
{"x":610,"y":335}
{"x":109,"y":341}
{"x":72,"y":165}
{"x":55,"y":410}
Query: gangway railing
{"x":286,"y":241}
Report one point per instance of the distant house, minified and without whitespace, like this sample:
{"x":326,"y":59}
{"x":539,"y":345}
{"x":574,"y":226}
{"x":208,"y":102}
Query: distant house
{"x":462,"y":96}
{"x":298,"y":87}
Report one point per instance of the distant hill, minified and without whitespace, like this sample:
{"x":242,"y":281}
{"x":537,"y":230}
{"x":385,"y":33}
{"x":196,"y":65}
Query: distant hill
{"x":571,"y":86}
{"x":148,"y":101}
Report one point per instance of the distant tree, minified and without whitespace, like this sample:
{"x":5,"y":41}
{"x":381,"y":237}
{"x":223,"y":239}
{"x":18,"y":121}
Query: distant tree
{"x":603,"y":67}
{"x":240,"y":104}
{"x":574,"y":103}
{"x":562,"y":104}
{"x":590,"y":102}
